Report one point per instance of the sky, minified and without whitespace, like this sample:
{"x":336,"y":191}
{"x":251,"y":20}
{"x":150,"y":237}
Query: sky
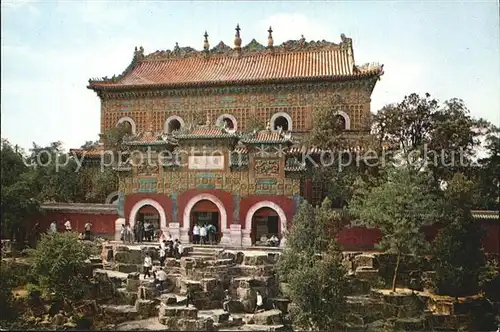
{"x":51,"y":48}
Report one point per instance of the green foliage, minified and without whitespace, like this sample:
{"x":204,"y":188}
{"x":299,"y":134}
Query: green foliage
{"x":399,"y":207}
{"x":102,"y":184}
{"x":58,"y":262}
{"x":54,"y":174}
{"x":8,"y":312}
{"x":441,"y":137}
{"x":327,"y":132}
{"x":457,"y":247}
{"x":18,"y":202}
{"x":114,"y":138}
{"x":311,"y":264}
{"x":485,"y":175}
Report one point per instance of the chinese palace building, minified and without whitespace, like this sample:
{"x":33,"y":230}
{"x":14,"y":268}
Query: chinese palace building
{"x":223,"y":127}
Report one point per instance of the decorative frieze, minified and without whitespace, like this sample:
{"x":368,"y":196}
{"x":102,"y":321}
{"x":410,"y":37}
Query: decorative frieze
{"x":266,"y":167}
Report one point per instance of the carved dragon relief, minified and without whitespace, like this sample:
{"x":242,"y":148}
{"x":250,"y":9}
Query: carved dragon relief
{"x":145,"y":169}
{"x":266,"y":167}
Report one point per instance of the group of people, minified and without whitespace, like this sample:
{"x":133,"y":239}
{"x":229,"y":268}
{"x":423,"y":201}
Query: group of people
{"x":167,"y":248}
{"x":204,"y":234}
{"x":86,"y":235}
{"x":143,"y":231}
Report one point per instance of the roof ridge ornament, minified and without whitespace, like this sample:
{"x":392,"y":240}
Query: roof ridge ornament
{"x":206,"y":44}
{"x":270,"y":40}
{"x":237,"y":40}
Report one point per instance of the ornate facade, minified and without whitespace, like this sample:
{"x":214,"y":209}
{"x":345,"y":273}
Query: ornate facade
{"x":196,"y":115}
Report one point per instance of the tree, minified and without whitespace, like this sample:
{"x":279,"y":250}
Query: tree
{"x":58,"y":262}
{"x":312,"y":265}
{"x":17,"y":202}
{"x":439,"y":137}
{"x":485,"y":174}
{"x":54,"y":174}
{"x":399,"y":207}
{"x":457,"y":247}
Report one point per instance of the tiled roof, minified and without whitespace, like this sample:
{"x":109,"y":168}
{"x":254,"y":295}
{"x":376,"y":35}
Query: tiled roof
{"x":292,"y":61}
{"x":149,"y":138}
{"x":486,"y":214}
{"x":204,"y":132}
{"x":94,"y":151}
{"x":81,"y":207}
{"x":267,"y":137}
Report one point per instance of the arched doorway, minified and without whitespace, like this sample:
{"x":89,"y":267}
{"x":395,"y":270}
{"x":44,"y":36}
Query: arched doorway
{"x":150,"y":218}
{"x":265,"y":223}
{"x":151,"y":210}
{"x":262,"y":217}
{"x":205,"y":213}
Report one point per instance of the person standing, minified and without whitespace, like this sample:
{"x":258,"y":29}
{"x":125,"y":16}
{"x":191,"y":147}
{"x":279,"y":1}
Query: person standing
{"x":163,"y":255}
{"x":203,"y":234}
{"x":227,"y":300}
{"x":189,"y":296}
{"x":88,"y":228}
{"x":196,"y":234}
{"x":67,"y":225}
{"x":148,"y":264}
{"x":260,"y":303}
{"x":146,"y":231}
{"x":53,"y":227}
{"x":140,"y":232}
{"x":160,"y":279}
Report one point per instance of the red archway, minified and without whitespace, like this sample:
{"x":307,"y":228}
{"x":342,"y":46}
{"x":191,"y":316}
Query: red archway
{"x":265,"y":222}
{"x":206,"y":212}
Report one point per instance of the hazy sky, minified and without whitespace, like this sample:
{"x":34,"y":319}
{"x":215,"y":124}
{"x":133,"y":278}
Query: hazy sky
{"x":50,"y":49}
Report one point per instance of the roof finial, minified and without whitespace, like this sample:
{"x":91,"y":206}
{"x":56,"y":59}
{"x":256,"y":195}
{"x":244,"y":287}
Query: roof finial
{"x":270,"y":40}
{"x":237,"y":38}
{"x":206,"y":45}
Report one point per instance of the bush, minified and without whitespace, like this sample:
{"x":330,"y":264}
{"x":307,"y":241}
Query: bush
{"x":57,"y":264}
{"x":7,"y":313}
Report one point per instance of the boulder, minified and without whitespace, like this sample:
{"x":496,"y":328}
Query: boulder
{"x":365,"y":260}
{"x":226,"y":255}
{"x":145,"y":308}
{"x":127,"y":268}
{"x":168,"y":299}
{"x":58,"y":319}
{"x":209,"y":284}
{"x":126,"y":256}
{"x":172,"y":262}
{"x":255,"y":260}
{"x":220,"y":316}
{"x":133,"y":285}
{"x":236,"y":307}
{"x":178,"y":312}
{"x":270,"y":317}
{"x":248,"y":298}
{"x":187,"y":263}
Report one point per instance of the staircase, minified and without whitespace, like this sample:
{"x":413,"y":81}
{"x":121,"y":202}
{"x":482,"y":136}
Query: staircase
{"x":207,"y":252}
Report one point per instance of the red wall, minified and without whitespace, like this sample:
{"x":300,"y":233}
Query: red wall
{"x":357,"y":238}
{"x":101,"y":223}
{"x":491,"y":243}
{"x":287,"y":204}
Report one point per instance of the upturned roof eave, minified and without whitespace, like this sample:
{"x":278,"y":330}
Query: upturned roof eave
{"x":103,"y":85}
